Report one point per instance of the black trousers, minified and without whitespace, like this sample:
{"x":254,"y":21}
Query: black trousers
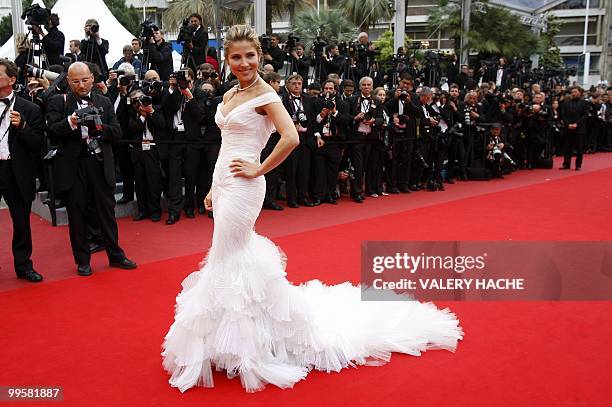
{"x":326,"y":166}
{"x":373,"y":157}
{"x":126,"y":168}
{"x":183,"y":161}
{"x":357,"y":154}
{"x":90,"y":183}
{"x":20,"y":215}
{"x":272,"y":177}
{"x":297,"y":172}
{"x":573,"y":140}
{"x":148,"y":177}
{"x":208,"y":154}
{"x":400,"y":168}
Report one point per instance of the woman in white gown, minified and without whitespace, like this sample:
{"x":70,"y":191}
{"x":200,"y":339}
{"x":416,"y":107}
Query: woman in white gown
{"x":239,"y":313}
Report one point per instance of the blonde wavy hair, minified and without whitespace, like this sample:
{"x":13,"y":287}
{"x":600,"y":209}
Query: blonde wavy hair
{"x":238,"y":33}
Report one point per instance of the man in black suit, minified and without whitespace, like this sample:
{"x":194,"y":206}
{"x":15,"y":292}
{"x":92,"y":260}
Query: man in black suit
{"x":573,"y":114}
{"x":275,"y":56}
{"x":74,"y":46}
{"x":299,"y":63}
{"x":301,"y":109}
{"x":93,"y":47}
{"x":53,"y":41}
{"x":160,"y":55}
{"x":146,"y":123}
{"x":364,"y":110}
{"x":84,"y":166}
{"x":195,"y":47}
{"x":21,"y":135}
{"x":185,"y":114}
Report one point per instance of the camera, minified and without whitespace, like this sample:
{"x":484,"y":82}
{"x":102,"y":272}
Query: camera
{"x":300,"y":117}
{"x":404,"y":95}
{"x":291,"y":42}
{"x":124,"y":80}
{"x":186,"y":32}
{"x":328,"y":102}
{"x":90,"y":117}
{"x":152,"y":87}
{"x":318,"y":46}
{"x":348,"y":48}
{"x":143,"y":100}
{"x":146,"y":30}
{"x":36,"y":15}
{"x":94,"y":28}
{"x":209,"y":75}
{"x":265,"y":42}
{"x":368,"y":116}
{"x":497,"y":153}
{"x":41,"y":73}
{"x":181,"y":78}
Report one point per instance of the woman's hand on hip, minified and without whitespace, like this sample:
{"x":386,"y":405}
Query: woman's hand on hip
{"x":243,"y":168}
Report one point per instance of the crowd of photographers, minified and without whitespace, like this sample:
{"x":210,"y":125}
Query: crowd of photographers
{"x":366,"y":129}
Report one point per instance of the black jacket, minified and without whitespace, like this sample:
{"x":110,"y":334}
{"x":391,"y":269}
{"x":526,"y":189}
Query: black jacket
{"x":156,"y":123}
{"x":278,"y":58}
{"x":307,"y":137}
{"x":24,"y":145}
{"x":574,"y":112}
{"x":338,"y":124}
{"x":192,"y":116}
{"x":92,"y":52}
{"x":160,"y":58}
{"x":354,"y":104}
{"x":53,"y":44}
{"x":200,"y":42}
{"x":70,"y":144}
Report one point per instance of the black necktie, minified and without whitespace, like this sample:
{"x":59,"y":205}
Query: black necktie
{"x":86,"y":98}
{"x":6,"y":101}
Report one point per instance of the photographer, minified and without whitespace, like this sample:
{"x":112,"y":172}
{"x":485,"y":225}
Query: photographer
{"x":332,"y":61}
{"x":128,"y":57}
{"x":301,"y":109}
{"x":332,"y":124}
{"x":404,"y":112}
{"x":137,"y":48}
{"x":208,"y":151}
{"x":74,"y":46}
{"x":537,"y":129}
{"x":93,"y":47}
{"x":364,"y":112}
{"x":186,"y":113}
{"x":147,"y":124}
{"x":470,"y":116}
{"x":21,"y":137}
{"x":274,"y":55}
{"x":574,"y":113}
{"x":195,"y":40}
{"x":432,"y":142}
{"x":299,"y":64}
{"x":160,"y":55}
{"x":53,"y":41}
{"x":495,"y":151}
{"x":84,"y":164}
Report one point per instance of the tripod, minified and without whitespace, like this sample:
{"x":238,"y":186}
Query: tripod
{"x":187,"y":57}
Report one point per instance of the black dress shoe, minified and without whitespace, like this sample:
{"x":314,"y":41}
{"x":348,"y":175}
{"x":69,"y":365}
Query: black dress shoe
{"x":95,"y":247}
{"x":125,"y":199}
{"x":273,"y":206}
{"x":358,"y":199}
{"x":316,"y":202}
{"x":449,"y":181}
{"x":190,"y":213}
{"x":201,"y":210}
{"x":172,"y":219}
{"x":140,"y":216}
{"x":84,"y":270}
{"x":414,"y":187}
{"x":31,"y":275}
{"x":156,"y":217}
{"x":124,"y":263}
{"x":305,"y":202}
{"x":210,"y":214}
{"x":330,"y":200}
{"x":393,"y":191}
{"x":405,"y":190}
{"x":292,"y":204}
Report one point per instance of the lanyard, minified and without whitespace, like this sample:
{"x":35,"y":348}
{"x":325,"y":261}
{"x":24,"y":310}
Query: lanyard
{"x":6,"y":110}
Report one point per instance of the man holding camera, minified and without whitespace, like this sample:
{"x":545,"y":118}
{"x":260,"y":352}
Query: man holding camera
{"x":84,"y":125}
{"x":299,"y":64}
{"x":274,"y":54}
{"x":301,"y":110}
{"x":160,"y":55}
{"x":195,"y":40}
{"x":495,"y":151}
{"x":147,"y":124}
{"x":574,"y":113}
{"x":53,"y":41}
{"x":185,"y":115}
{"x":332,"y":123}
{"x":93,"y":47}
{"x":364,"y":111}
{"x":21,"y":136}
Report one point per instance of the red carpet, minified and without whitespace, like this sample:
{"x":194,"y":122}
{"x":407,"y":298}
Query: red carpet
{"x":100,"y":337}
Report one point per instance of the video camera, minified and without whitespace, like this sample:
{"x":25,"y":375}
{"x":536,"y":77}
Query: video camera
{"x":36,"y":15}
{"x":318,"y":46}
{"x":146,"y":31}
{"x":291,"y":43}
{"x":186,"y":32}
{"x":265,"y":42}
{"x":348,"y":48}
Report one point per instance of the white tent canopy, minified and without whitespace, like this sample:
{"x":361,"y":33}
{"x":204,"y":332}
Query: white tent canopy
{"x":73,"y":14}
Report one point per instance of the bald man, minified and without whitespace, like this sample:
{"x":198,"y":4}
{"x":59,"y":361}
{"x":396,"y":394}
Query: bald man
{"x":85,"y":167}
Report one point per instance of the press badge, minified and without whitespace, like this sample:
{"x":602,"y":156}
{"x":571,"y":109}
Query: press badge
{"x":146,"y":146}
{"x":180,"y":127}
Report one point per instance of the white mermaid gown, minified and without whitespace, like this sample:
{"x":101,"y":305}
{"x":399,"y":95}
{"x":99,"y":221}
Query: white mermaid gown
{"x":239,"y":313}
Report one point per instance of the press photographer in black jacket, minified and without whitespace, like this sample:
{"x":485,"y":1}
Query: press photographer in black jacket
{"x":185,"y":116}
{"x":160,"y":55}
{"x":85,"y":166}
{"x":93,"y":47}
{"x":146,"y":124}
{"x":53,"y":41}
